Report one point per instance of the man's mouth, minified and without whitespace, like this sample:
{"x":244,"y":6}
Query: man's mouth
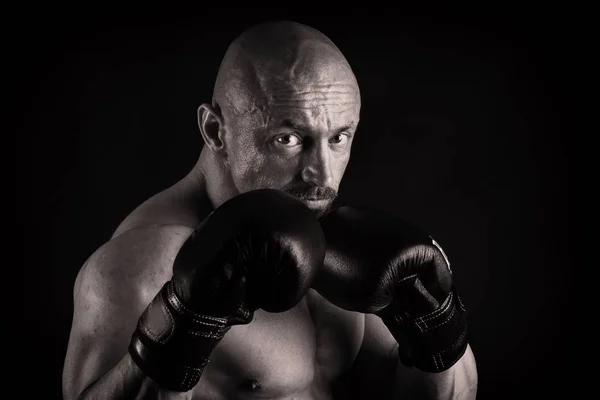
{"x":316,"y":203}
{"x":315,"y":198}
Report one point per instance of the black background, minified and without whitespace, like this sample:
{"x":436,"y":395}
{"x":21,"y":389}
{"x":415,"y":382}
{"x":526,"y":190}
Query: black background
{"x":463,"y":132}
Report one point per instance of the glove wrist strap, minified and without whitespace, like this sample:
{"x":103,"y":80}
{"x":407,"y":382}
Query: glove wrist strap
{"x":172,"y":344}
{"x":433,"y":342}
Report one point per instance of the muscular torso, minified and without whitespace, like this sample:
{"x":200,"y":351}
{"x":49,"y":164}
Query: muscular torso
{"x":297,"y":354}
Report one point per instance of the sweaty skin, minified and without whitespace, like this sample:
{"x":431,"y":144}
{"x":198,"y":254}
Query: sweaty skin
{"x":284,"y":112}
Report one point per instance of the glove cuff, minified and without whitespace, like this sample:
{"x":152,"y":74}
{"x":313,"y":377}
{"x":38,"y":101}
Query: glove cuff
{"x":433,"y":342}
{"x":172,"y":344}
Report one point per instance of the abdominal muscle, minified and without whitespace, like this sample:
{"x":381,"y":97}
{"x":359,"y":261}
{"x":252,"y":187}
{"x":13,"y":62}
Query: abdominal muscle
{"x":292,"y":355}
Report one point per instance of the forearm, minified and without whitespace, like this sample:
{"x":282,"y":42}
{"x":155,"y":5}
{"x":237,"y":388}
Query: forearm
{"x":457,"y":383}
{"x":127,"y":381}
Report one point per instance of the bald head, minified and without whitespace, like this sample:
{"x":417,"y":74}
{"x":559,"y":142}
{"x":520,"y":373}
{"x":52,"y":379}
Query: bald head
{"x":285,"y":109}
{"x":274,"y":57}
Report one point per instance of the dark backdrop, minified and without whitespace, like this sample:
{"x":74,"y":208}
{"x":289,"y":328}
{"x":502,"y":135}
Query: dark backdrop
{"x":461,"y":133}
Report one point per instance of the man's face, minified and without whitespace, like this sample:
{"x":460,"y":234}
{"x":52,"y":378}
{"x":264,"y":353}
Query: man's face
{"x":298,"y":140}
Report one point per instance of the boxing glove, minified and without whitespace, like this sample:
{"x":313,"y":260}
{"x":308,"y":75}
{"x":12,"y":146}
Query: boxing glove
{"x":377,"y":263}
{"x":260,"y":249}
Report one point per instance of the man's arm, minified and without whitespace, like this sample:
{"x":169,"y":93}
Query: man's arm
{"x":166,"y":297}
{"x":378,"y":372}
{"x":111,"y":292}
{"x":400,"y":277}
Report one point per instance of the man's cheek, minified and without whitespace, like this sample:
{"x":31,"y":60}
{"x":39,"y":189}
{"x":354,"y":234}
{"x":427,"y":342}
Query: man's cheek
{"x":253,"y":174}
{"x":339,"y":171}
{"x":256,"y":170}
{"x":269,"y":174}
{"x":282,"y":170}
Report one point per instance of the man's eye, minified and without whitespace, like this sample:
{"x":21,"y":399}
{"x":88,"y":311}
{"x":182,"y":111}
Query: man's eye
{"x":339,"y":138}
{"x":288,"y":140}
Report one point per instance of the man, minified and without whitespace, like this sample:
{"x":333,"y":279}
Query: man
{"x":207,"y":289}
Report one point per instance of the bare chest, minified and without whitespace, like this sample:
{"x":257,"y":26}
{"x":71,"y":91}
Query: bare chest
{"x":297,"y":353}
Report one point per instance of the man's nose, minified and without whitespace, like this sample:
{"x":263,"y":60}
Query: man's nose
{"x":317,"y":166}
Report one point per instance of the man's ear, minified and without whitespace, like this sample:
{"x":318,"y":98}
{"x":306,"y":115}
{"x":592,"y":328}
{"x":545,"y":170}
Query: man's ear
{"x":210,"y":122}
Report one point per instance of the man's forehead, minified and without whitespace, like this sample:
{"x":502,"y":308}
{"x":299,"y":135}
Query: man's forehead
{"x":340,"y":96}
{"x":307,"y":89}
{"x":306,"y":120}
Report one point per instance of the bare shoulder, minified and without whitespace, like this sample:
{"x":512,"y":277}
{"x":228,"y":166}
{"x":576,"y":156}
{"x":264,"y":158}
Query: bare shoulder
{"x":122,"y":276}
{"x":141,"y":256}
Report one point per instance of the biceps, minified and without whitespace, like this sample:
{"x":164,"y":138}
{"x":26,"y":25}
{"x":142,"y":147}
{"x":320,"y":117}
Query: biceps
{"x":103,"y":322}
{"x":457,"y":382}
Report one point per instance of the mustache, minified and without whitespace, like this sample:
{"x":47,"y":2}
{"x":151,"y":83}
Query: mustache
{"x":312,"y":192}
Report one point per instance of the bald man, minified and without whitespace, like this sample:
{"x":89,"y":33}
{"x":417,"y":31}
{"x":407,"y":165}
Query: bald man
{"x":283,"y":116}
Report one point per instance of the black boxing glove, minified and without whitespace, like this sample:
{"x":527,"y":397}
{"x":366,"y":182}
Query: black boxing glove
{"x":377,"y":263}
{"x":260,"y":249}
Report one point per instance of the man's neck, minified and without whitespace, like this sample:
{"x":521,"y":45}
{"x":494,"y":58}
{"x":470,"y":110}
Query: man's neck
{"x":213,"y":174}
